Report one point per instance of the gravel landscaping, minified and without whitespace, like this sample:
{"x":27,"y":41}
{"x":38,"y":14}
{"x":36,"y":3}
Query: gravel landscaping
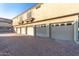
{"x":19,"y":45}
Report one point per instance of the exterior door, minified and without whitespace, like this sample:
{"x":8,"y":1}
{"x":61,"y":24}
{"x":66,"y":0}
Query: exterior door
{"x":30,"y":31}
{"x":62,"y":32}
{"x":19,"y":30}
{"x":23,"y":30}
{"x":42,"y":30}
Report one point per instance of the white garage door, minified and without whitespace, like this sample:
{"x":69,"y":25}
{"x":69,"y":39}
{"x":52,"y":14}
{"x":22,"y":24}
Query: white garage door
{"x":15,"y":29}
{"x":23,"y":30}
{"x":63,"y":32}
{"x":18,"y":30}
{"x":30,"y":31}
{"x":42,"y":30}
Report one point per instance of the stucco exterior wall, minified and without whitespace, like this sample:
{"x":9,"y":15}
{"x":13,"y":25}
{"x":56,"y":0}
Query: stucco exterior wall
{"x":49,"y":10}
{"x":15,"y":21}
{"x":59,"y":20}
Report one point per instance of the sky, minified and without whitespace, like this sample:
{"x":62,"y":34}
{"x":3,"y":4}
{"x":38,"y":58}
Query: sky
{"x":10,"y":10}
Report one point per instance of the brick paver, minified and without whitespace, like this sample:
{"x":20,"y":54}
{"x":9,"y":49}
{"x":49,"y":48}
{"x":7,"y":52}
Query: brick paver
{"x":18,"y":45}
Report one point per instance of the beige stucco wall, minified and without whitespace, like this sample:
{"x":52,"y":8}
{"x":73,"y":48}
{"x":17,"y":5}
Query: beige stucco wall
{"x":15,"y":21}
{"x":50,"y":10}
{"x":59,"y":20}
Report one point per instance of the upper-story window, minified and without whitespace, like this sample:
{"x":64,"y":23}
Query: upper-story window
{"x":29,"y":14}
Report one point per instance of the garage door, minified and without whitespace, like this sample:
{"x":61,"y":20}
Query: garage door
{"x":62,"y":32}
{"x":18,"y":30}
{"x":23,"y":30}
{"x":30,"y":31}
{"x":15,"y":29}
{"x":42,"y":30}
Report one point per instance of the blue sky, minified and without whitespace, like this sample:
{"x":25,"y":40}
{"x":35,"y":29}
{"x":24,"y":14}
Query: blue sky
{"x":10,"y":10}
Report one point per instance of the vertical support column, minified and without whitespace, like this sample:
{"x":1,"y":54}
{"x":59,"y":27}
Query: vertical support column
{"x":34,"y":30}
{"x":50,"y":31}
{"x":76,"y":31}
{"x":26,"y":30}
{"x":47,"y":30}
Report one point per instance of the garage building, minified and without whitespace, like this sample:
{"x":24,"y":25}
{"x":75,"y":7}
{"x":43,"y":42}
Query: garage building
{"x":55,"y":21}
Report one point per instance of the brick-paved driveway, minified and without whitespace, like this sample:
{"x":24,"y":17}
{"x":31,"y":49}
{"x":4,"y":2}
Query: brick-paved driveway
{"x":17,"y":45}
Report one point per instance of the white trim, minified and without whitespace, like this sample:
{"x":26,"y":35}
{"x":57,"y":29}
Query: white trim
{"x":76,"y":31}
{"x":65,"y":23}
{"x":59,"y":24}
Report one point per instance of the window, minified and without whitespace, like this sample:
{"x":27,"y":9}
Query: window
{"x":43,"y":25}
{"x":69,"y":23}
{"x":57,"y":25}
{"x":52,"y":25}
{"x":62,"y":24}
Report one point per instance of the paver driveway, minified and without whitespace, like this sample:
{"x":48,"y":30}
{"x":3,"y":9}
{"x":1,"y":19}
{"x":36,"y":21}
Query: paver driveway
{"x":17,"y":45}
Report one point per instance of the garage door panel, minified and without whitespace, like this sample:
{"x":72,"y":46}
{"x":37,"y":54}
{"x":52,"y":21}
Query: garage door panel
{"x":30,"y":31}
{"x":18,"y":30}
{"x":63,"y":32}
{"x":42,"y":31}
{"x":23,"y":30}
